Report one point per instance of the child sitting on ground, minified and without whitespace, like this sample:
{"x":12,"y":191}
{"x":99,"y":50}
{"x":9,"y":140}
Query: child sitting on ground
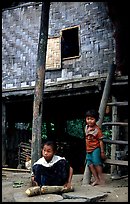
{"x":51,"y":169}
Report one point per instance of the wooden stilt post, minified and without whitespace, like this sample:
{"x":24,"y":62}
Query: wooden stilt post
{"x":39,"y":86}
{"x":3,"y":134}
{"x":115,"y":133}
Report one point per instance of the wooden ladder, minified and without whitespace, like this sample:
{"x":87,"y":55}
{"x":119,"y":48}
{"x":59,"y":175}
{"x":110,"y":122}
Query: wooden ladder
{"x":119,"y":89}
{"x":112,"y":88}
{"x":116,"y":87}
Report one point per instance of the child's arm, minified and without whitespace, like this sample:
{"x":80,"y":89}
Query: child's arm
{"x":70,"y":175}
{"x":68,"y":184}
{"x":103,"y":156}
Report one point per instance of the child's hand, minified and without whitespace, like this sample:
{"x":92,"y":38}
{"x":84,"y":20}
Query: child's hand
{"x":67,"y":185}
{"x":103,"y":156}
{"x":34,"y":183}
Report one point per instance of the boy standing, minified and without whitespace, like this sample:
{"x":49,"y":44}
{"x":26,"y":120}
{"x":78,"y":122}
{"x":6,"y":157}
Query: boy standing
{"x":94,"y":146}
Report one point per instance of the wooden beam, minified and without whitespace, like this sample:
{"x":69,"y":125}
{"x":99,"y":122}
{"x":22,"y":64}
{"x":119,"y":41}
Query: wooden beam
{"x":116,"y":162}
{"x":16,"y":170}
{"x":115,"y":123}
{"x":119,"y":83}
{"x":115,"y":141}
{"x":4,"y":137}
{"x":124,"y":103}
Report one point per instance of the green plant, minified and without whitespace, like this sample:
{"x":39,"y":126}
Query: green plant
{"x":75,"y":127}
{"x":44,"y":131}
{"x":107,"y":133}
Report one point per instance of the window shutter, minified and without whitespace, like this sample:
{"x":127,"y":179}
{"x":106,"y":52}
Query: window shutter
{"x":53,"y":56}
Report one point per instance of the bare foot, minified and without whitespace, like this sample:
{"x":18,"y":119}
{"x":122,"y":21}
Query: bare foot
{"x":98,"y":182}
{"x":95,"y":183}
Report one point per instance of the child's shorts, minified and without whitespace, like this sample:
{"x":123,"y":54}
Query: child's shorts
{"x":94,"y":157}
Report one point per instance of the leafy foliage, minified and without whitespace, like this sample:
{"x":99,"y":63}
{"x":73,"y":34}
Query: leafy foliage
{"x":107,"y":132}
{"x":44,"y":131}
{"x":76,"y":128}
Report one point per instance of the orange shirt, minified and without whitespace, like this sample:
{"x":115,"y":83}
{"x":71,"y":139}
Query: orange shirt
{"x":92,"y":138}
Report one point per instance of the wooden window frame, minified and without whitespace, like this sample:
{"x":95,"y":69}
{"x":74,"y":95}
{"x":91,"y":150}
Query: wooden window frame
{"x":72,"y":52}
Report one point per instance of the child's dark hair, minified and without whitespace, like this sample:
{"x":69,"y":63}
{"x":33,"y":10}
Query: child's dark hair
{"x":92,"y":113}
{"x":50,"y":143}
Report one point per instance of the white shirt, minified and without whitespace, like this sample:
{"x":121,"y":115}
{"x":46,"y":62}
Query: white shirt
{"x":43,"y":162}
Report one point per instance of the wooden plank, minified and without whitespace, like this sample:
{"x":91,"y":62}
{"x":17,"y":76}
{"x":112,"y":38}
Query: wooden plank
{"x":4,"y":175}
{"x":15,"y":170}
{"x":121,"y":78}
{"x":116,"y":162}
{"x":124,"y":103}
{"x":119,"y":83}
{"x":115,"y":141}
{"x":115,"y":123}
{"x":117,"y":177}
{"x":115,"y":132}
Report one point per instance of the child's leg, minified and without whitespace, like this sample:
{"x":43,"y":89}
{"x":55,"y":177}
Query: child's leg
{"x":89,"y":158}
{"x":99,"y":173}
{"x":60,"y":173}
{"x":97,"y":162}
{"x":37,"y":169}
{"x":95,"y":165}
{"x":94,"y":172}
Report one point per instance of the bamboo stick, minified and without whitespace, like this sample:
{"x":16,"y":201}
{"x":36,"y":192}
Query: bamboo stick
{"x":32,"y":191}
{"x":16,"y":170}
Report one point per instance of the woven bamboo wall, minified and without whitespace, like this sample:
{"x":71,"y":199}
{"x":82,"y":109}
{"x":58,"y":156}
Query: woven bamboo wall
{"x":20,"y":34}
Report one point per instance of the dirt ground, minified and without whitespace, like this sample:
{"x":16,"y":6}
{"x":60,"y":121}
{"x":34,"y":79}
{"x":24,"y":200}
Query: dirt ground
{"x":120,"y":191}
{"x":12,"y":182}
{"x":8,"y":187}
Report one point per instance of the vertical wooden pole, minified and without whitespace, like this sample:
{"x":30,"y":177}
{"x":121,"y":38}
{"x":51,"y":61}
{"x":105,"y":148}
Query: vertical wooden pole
{"x":39,"y":86}
{"x":3,"y":134}
{"x":105,"y":94}
{"x":115,"y":133}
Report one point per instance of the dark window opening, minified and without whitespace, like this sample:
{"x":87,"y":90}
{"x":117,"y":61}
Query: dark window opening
{"x":70,"y":43}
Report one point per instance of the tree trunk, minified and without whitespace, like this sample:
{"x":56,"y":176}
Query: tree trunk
{"x":39,"y":86}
